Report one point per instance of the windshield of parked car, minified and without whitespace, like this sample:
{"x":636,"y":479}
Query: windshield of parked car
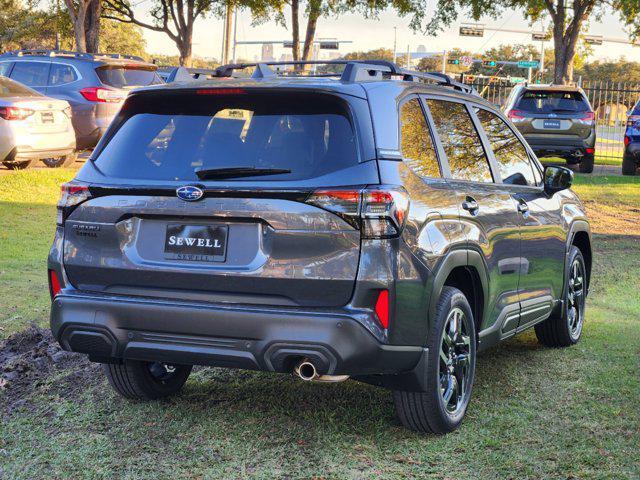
{"x":541,"y":101}
{"x":636,"y":109}
{"x":295,"y":136}
{"x":9,"y":88}
{"x":123,"y":76}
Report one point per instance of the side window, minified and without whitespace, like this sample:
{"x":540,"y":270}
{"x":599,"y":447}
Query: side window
{"x":511,"y":155}
{"x":32,"y":74}
{"x":461,"y":142}
{"x":4,"y":68}
{"x":61,"y":74}
{"x":416,"y":143}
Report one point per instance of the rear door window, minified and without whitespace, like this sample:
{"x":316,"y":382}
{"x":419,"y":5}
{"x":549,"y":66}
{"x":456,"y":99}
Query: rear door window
{"x":461,"y":142}
{"x":5,"y":68}
{"x":540,"y":102}
{"x":61,"y":74}
{"x":512,"y":157}
{"x":124,"y":76}
{"x":32,"y":74}
{"x":171,"y":139}
{"x":416,"y":142}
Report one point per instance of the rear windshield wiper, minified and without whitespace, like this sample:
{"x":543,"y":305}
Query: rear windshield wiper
{"x":237,"y":172}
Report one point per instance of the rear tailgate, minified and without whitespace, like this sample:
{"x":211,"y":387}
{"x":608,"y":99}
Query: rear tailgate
{"x":248,"y":240}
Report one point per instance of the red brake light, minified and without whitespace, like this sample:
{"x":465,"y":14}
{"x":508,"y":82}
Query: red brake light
{"x":221,"y":91}
{"x":15,"y":113}
{"x":54,"y":284}
{"x":101,"y":94}
{"x":515,"y":115}
{"x":382,"y":308}
{"x":627,"y":140}
{"x":70,"y":195}
{"x":591,"y":150}
{"x":379,"y":211}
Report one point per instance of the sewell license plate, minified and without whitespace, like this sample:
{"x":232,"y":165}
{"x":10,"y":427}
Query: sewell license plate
{"x":204,"y":243}
{"x":552,"y":124}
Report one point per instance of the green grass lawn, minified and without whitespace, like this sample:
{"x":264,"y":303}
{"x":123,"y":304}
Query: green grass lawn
{"x":536,"y":412}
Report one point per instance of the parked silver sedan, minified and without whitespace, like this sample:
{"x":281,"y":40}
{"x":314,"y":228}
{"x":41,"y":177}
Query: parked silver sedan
{"x":34,"y":127}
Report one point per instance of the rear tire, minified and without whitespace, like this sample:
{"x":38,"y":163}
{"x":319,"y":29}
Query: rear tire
{"x":58,"y":162}
{"x":586,"y":164}
{"x":146,"y":380}
{"x":21,"y":165}
{"x":450,"y":371}
{"x":565,"y":328}
{"x":629,"y":166}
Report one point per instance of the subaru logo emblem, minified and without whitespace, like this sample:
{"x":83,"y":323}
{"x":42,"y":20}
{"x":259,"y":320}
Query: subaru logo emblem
{"x":189,"y":193}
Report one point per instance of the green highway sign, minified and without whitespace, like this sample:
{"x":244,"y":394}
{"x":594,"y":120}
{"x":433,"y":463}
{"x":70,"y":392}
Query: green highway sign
{"x":528,"y":64}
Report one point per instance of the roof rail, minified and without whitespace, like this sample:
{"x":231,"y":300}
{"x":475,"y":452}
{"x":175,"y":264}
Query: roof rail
{"x":354,"y":71}
{"x":67,"y":53}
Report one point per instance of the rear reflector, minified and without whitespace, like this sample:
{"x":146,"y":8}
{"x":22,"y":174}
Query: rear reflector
{"x":591,"y":150}
{"x":627,"y":140}
{"x":54,"y":284}
{"x":382,"y":308}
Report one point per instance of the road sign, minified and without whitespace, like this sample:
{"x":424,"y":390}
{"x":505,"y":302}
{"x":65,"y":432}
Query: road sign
{"x":329,"y":45}
{"x":467,"y":61}
{"x":528,"y":64}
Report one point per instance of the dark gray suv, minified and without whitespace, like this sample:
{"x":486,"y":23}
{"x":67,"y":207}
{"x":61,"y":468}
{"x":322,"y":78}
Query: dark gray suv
{"x":95,"y":85}
{"x":382,"y":225}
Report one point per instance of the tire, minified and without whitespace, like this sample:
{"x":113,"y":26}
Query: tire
{"x":586,"y":164}
{"x":564,"y":329}
{"x":21,"y":165}
{"x":146,"y":380}
{"x":58,"y":162}
{"x":429,"y":412}
{"x":629,"y":166}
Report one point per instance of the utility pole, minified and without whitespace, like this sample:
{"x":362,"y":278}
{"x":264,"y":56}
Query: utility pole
{"x":395,"y":43}
{"x":235,"y":33}
{"x":408,"y":58}
{"x":226,"y":40}
{"x":444,"y":61}
{"x":529,"y":76}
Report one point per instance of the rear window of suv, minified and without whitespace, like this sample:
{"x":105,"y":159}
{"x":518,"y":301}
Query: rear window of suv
{"x":540,"y":101}
{"x":174,"y":136}
{"x":123,"y":76}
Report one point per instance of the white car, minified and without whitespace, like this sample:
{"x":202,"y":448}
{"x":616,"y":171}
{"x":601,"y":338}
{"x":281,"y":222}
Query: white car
{"x":34,"y":127}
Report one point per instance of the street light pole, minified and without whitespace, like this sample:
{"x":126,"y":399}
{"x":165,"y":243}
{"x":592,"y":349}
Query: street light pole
{"x":395,"y":43}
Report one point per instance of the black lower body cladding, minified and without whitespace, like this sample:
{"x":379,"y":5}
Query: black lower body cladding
{"x":112,"y":329}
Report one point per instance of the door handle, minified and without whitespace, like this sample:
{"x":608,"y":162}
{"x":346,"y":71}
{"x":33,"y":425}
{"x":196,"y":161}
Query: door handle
{"x":470,"y":205}
{"x":522,"y":206}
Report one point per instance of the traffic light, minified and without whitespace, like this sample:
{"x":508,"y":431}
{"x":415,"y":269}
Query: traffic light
{"x":471,"y":30}
{"x":489,"y":63}
{"x":453,"y":61}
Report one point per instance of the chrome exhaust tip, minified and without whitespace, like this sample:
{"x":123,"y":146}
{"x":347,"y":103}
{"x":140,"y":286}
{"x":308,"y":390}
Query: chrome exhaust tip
{"x":307,"y":372}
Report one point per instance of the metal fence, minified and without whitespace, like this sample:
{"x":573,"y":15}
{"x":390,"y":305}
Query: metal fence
{"x":611,"y":102}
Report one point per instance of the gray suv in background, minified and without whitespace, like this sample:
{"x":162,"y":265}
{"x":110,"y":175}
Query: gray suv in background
{"x":382,"y":224}
{"x":556,"y":120}
{"x":95,"y":85}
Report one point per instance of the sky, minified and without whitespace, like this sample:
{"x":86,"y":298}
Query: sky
{"x":371,"y":34}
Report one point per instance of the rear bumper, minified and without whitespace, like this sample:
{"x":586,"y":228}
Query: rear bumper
{"x":562,"y":146}
{"x":113,"y":328}
{"x":633,"y":151}
{"x":26,"y":153}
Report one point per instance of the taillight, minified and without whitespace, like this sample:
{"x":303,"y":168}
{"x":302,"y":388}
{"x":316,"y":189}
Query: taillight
{"x":15,"y":113}
{"x":101,"y":94}
{"x":627,"y":140}
{"x":382,"y":308}
{"x":632,"y":120}
{"x":220,"y":91}
{"x":71,"y":195}
{"x":515,"y":115}
{"x":54,"y":284}
{"x":380,"y":212}
{"x":590,"y":150}
{"x":587,"y":118}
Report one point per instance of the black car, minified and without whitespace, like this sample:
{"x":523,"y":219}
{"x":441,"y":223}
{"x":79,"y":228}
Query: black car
{"x":95,"y":85}
{"x":382,"y":225}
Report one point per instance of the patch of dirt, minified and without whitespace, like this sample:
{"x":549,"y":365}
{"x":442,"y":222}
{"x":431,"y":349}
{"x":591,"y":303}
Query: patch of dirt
{"x":29,"y":358}
{"x":615,"y":220}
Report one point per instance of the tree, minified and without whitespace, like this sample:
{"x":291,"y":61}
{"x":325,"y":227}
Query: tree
{"x":434,"y":63}
{"x":118,"y":37}
{"x":567,"y":16}
{"x":619,"y":71}
{"x":175,"y":18}
{"x":377,"y":54}
{"x":85,"y":18}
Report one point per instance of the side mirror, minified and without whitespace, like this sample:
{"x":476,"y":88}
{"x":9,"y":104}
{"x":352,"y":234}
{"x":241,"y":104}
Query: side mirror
{"x":557,"y":178}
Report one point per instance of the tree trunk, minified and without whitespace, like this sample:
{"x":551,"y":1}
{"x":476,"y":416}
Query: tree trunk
{"x":77,"y":19}
{"x":295,"y":31}
{"x":310,"y":34}
{"x":184,"y":47}
{"x":92,"y":26}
